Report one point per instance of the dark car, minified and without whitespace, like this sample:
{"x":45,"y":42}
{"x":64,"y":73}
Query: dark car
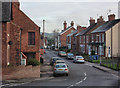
{"x":53,"y":60}
{"x":70,"y":56}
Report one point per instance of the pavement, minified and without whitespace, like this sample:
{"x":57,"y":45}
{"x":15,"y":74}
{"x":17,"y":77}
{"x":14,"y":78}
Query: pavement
{"x":45,"y":73}
{"x":105,"y":69}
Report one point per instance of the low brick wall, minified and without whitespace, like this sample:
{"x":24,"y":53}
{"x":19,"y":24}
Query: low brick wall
{"x":18,"y":72}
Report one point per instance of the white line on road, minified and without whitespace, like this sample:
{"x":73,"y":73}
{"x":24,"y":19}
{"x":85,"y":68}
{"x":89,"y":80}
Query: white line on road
{"x":84,"y":78}
{"x":85,"y":74}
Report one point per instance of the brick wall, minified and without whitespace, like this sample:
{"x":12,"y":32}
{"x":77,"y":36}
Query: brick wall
{"x":19,"y":72}
{"x":19,"y":18}
{"x":64,"y":36}
{"x":4,"y":44}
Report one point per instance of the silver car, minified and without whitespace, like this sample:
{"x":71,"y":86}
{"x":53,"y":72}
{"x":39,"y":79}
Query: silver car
{"x":60,"y":68}
{"x":79,"y":59}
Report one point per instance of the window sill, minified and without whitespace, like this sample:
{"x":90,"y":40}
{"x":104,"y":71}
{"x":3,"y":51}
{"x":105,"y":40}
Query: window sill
{"x":31,"y":45}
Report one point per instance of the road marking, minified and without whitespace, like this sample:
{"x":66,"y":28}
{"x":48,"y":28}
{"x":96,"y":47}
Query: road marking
{"x":84,"y":78}
{"x":115,"y":75}
{"x":79,"y":81}
{"x":85,"y":74}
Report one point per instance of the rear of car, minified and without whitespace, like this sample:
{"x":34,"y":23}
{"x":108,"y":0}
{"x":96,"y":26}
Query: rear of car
{"x":60,"y":69}
{"x":70,"y":56}
{"x":79,"y":59}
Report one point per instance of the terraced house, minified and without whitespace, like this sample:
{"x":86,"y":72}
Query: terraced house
{"x":71,"y":38}
{"x":82,"y":37}
{"x":105,"y":40}
{"x":62,"y":38}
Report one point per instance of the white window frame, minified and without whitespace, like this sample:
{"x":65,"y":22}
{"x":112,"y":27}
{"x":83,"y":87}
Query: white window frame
{"x":103,"y":37}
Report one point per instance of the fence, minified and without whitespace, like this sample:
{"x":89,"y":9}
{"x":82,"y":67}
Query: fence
{"x":113,"y":63}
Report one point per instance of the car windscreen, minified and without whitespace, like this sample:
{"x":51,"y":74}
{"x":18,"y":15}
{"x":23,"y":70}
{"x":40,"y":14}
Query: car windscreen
{"x":63,"y":52}
{"x":60,"y":66}
{"x":70,"y":54}
{"x":79,"y":57}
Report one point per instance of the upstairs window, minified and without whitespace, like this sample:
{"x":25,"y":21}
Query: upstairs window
{"x":87,"y":39}
{"x":31,"y":38}
{"x":97,"y":36}
{"x":92,"y":38}
{"x":83,"y":39}
{"x":80,"y":39}
{"x":103,"y":39}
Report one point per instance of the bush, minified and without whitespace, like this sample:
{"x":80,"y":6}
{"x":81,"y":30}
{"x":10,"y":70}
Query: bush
{"x":69,"y":50}
{"x":33,"y":62}
{"x":92,"y":52}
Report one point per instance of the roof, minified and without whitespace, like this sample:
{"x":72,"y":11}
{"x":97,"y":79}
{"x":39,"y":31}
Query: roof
{"x":106,"y":26}
{"x":65,"y":30}
{"x":86,"y":30}
{"x":72,"y":33}
{"x":6,"y":11}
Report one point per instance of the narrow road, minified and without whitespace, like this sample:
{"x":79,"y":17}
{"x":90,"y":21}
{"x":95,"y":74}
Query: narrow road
{"x":79,"y":75}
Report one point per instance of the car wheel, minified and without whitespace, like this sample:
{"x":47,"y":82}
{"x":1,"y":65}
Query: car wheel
{"x":54,"y":74}
{"x":67,"y":74}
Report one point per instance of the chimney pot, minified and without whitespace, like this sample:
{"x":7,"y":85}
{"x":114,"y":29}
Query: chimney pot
{"x":92,"y":21}
{"x":111,"y":17}
{"x":72,"y":23}
{"x":65,"y":25}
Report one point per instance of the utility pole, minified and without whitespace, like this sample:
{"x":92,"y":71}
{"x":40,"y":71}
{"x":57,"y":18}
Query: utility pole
{"x":43,"y":35}
{"x":111,"y":42}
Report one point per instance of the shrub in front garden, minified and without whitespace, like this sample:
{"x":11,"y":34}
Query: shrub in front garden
{"x":33,"y":62}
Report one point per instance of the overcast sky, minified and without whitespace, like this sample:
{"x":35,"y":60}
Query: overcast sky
{"x":55,"y":13}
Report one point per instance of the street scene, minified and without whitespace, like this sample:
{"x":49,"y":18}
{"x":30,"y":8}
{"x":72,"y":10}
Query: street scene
{"x":59,"y":46}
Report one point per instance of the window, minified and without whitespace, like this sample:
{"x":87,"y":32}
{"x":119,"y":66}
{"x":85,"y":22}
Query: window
{"x":80,"y":39}
{"x":87,"y":40}
{"x":83,"y":39}
{"x":92,"y":38}
{"x":97,"y":36}
{"x":103,"y":38}
{"x":31,"y":38}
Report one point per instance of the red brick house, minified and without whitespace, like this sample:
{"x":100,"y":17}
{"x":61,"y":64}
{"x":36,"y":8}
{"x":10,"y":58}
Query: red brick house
{"x":88,"y":35}
{"x":63,"y":35}
{"x":71,"y":38}
{"x":82,"y":37}
{"x":20,"y":37}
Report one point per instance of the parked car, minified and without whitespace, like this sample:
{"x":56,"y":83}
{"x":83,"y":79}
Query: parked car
{"x":70,"y":56}
{"x":53,"y":60}
{"x":60,"y":68}
{"x":62,"y":53}
{"x":78,"y":59}
{"x":59,"y":61}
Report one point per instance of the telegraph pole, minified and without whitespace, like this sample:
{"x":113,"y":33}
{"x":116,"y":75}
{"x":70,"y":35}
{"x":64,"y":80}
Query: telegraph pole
{"x":43,"y":35}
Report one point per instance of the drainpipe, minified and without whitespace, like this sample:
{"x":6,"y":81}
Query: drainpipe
{"x":20,"y":43}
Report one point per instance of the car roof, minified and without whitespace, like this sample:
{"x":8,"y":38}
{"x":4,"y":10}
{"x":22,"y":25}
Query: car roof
{"x":61,"y":64}
{"x":79,"y":56}
{"x":60,"y":61}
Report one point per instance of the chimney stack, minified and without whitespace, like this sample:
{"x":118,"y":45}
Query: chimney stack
{"x":78,"y":27}
{"x":111,"y":17}
{"x":92,"y":21}
{"x":16,"y":3}
{"x":65,"y":25}
{"x":100,"y":20}
{"x":72,"y":23}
